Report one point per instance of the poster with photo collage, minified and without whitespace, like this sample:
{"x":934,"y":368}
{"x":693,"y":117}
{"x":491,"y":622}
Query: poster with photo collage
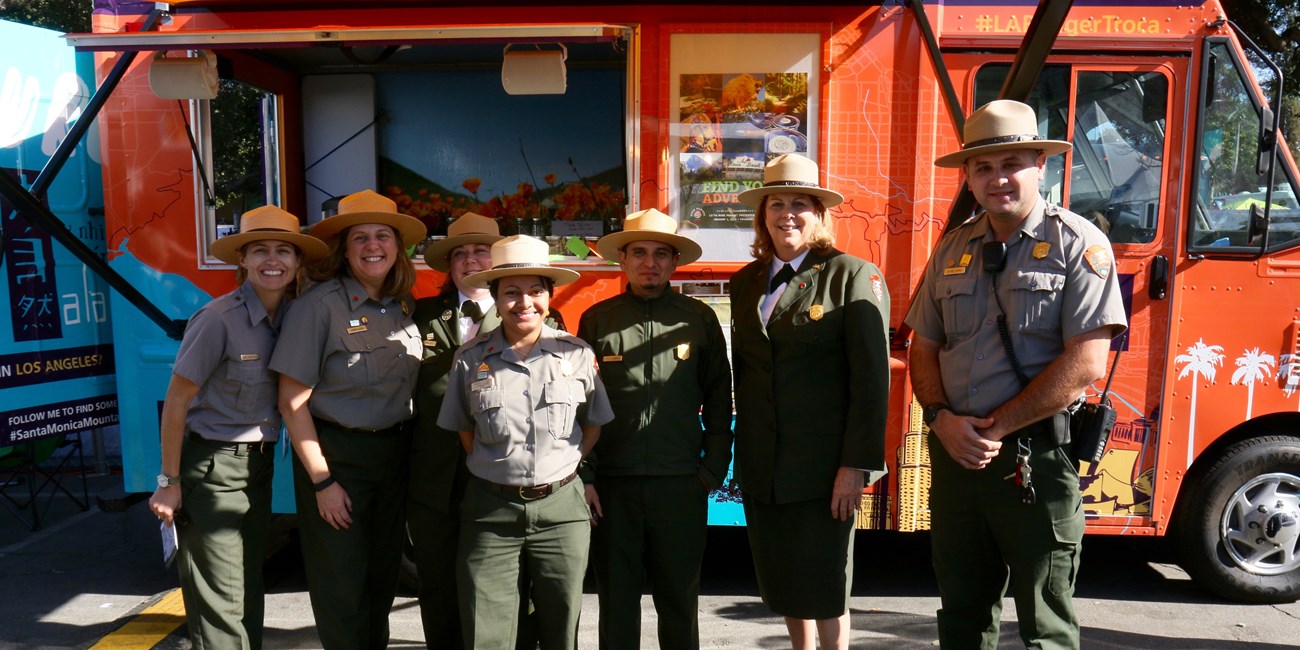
{"x":730,"y":126}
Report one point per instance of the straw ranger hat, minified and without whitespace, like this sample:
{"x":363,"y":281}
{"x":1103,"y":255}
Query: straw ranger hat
{"x":1000,"y":125}
{"x":468,"y":228}
{"x":521,"y":255}
{"x":790,"y":172}
{"x":367,"y":206}
{"x":651,"y":225}
{"x":267,"y":222}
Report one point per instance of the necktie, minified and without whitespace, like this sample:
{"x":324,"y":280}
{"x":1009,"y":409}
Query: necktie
{"x":471,"y":309}
{"x":783,"y":276}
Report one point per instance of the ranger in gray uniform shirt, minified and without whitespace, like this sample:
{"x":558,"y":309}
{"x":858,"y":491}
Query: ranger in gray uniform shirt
{"x":1012,"y":322}
{"x":218,"y":430}
{"x":528,"y":405}
{"x":347,"y":372}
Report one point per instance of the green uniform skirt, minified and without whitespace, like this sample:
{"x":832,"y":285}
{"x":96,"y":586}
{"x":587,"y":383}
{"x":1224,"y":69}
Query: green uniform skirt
{"x":803,"y":557}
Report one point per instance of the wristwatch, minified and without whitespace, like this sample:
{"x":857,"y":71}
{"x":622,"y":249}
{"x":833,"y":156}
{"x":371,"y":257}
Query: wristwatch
{"x":931,"y":411}
{"x":168,"y":481}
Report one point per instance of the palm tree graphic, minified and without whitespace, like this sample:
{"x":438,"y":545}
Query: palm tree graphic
{"x":1201,"y":360}
{"x":1252,"y":366}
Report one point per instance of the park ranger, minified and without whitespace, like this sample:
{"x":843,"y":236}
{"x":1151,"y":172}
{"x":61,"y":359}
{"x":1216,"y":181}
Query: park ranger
{"x":657,"y":461}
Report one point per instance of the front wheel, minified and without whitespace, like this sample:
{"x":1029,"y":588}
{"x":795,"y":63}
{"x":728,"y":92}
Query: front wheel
{"x":1239,"y":526}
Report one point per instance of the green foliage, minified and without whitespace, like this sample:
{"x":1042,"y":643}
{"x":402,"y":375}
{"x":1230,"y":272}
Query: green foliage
{"x":58,"y":15}
{"x":1275,"y":26}
{"x":237,"y":146}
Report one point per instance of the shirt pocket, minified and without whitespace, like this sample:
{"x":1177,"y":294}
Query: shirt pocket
{"x":1037,"y":296}
{"x":256,"y":385}
{"x":957,"y":299}
{"x":490,"y":424}
{"x":561,"y":398}
{"x":359,"y":357}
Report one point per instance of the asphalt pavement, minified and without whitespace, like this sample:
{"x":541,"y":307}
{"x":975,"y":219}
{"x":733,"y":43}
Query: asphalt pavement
{"x":87,"y":576}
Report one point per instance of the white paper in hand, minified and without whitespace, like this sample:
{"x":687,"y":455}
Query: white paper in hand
{"x":169,"y":543}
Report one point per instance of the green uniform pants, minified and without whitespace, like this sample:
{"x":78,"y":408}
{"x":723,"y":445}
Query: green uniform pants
{"x":222,"y":529}
{"x":435,"y":536}
{"x":352,"y":572}
{"x":653,"y":526}
{"x":504,"y":535}
{"x":983,"y":537}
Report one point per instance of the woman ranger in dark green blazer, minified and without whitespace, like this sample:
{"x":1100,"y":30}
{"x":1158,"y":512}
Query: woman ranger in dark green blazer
{"x":811,"y":358}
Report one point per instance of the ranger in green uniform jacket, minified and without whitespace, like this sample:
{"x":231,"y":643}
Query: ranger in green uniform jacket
{"x":655,"y":463}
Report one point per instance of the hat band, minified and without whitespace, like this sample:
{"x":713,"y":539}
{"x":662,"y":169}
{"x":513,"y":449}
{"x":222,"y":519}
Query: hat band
{"x":522,"y":265}
{"x":280,"y":230}
{"x":790,"y":184}
{"x":1002,"y":140}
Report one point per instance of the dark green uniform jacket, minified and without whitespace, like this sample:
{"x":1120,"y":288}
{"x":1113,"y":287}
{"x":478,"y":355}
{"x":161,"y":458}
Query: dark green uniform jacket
{"x":662,"y":360}
{"x":812,"y":386}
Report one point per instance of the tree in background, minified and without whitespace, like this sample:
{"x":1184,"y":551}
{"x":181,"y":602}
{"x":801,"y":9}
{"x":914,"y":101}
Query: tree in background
{"x":58,"y":15}
{"x":1275,"y":26}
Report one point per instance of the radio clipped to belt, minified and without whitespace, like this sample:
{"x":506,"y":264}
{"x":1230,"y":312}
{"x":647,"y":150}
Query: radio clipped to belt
{"x":1091,"y":423}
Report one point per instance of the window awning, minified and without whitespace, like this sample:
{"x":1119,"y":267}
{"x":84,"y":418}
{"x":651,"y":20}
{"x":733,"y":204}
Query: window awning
{"x":335,"y":35}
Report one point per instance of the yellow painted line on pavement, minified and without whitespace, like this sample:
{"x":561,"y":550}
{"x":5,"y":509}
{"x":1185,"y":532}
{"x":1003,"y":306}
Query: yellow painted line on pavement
{"x":149,"y":627}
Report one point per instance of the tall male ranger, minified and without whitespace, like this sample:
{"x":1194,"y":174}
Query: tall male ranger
{"x":1012,"y":322}
{"x":663,"y":360}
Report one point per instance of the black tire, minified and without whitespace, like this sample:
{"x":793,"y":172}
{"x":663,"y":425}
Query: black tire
{"x":1238,"y":525}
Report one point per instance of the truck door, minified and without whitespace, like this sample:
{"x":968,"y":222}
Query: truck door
{"x":1124,"y":124}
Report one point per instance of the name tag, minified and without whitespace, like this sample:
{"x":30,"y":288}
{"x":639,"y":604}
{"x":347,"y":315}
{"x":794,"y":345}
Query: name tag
{"x":249,"y":357}
{"x":954,"y":270}
{"x":611,"y":358}
{"x":357,"y":329}
{"x":482,"y":384}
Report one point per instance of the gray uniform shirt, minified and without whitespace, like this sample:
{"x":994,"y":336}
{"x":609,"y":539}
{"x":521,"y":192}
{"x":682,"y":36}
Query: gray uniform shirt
{"x":1059,"y":282}
{"x":526,"y":414}
{"x":225,"y":352}
{"x":360,"y":356}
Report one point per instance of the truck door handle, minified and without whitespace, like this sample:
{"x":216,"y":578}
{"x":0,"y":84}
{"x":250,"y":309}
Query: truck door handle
{"x":1158,"y":281}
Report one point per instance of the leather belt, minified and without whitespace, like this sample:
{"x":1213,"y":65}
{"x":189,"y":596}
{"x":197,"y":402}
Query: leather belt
{"x":237,"y":447}
{"x":528,"y":492}
{"x":395,"y":429}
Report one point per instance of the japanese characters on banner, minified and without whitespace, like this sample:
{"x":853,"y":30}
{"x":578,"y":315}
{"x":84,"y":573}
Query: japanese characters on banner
{"x":742,"y":99}
{"x":56,"y":359}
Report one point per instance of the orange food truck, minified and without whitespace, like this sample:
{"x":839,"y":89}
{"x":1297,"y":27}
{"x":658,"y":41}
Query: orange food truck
{"x":558,"y":119}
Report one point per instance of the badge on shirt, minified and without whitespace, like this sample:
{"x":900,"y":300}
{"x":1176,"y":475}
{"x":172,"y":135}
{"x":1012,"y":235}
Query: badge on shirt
{"x":816,"y":312}
{"x":1041,"y":249}
{"x":965,"y":259}
{"x":566,"y":368}
{"x":446,"y":315}
{"x":682,"y":352}
{"x":483,"y":371}
{"x":482,"y":384}
{"x":1098,"y":259}
{"x":878,"y":286}
{"x":356,"y":328}
{"x":249,"y":357}
{"x":429,"y":341}
{"x":610,"y":358}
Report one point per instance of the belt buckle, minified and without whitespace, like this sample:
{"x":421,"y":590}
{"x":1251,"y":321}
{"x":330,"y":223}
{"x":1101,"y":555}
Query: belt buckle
{"x":525,"y":491}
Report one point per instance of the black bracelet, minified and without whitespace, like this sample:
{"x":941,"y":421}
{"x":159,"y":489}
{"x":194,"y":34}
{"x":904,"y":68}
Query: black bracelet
{"x":326,"y":482}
